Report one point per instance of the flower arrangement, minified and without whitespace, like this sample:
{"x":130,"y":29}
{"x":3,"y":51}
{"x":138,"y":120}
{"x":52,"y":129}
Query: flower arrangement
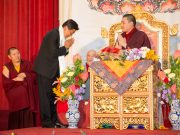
{"x":70,"y":85}
{"x":175,"y":68}
{"x":167,"y":86}
{"x":139,"y":54}
{"x":112,"y":53}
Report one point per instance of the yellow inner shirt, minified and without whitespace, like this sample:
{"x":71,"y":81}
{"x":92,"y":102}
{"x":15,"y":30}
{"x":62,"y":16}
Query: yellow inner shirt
{"x":17,"y":68}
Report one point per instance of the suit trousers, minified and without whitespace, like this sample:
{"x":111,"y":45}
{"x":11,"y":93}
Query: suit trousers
{"x":47,"y":98}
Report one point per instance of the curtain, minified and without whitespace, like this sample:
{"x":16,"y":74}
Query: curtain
{"x":23,"y":23}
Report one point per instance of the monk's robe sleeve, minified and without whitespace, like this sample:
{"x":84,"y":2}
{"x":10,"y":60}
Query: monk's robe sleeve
{"x":146,"y":42}
{"x":31,"y":86}
{"x":143,"y":41}
{"x":9,"y":84}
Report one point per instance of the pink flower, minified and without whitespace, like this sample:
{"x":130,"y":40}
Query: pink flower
{"x":126,"y":7}
{"x":84,"y":76}
{"x":173,"y":88}
{"x":161,"y":75}
{"x":177,"y":54}
{"x":73,"y":88}
{"x":148,"y":6}
{"x":107,"y":7}
{"x":169,"y":5}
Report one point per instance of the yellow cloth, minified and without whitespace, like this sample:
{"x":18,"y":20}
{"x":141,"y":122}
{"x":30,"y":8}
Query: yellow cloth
{"x":118,"y":70}
{"x":17,"y":68}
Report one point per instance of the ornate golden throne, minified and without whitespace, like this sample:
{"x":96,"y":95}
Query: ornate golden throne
{"x":137,"y":105}
{"x":157,"y":31}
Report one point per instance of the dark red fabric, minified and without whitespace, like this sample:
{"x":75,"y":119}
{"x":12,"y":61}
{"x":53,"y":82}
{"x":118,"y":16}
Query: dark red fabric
{"x":21,"y":119}
{"x":23,"y":23}
{"x":136,"y":39}
{"x":129,"y":35}
{"x":166,"y":108}
{"x":21,"y":94}
{"x":84,"y":110}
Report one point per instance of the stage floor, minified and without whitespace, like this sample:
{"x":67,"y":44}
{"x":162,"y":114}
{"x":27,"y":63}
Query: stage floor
{"x":66,"y":131}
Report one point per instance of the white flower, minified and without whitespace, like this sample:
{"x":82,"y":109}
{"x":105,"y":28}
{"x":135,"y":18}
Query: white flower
{"x":70,"y":74}
{"x":64,"y":79}
{"x":167,"y":71}
{"x":137,"y":57}
{"x":127,"y":58}
{"x":84,"y":85}
{"x":145,"y":49}
{"x":171,"y":75}
{"x":144,"y":54}
{"x":161,"y":102}
{"x":70,"y":97}
{"x":159,"y":94}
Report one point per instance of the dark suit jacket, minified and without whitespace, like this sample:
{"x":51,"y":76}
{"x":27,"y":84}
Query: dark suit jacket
{"x":46,"y":62}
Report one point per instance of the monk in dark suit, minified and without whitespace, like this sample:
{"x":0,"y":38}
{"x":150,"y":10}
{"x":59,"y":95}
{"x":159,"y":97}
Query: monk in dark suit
{"x":55,"y":43}
{"x":19,"y":85}
{"x":131,"y":37}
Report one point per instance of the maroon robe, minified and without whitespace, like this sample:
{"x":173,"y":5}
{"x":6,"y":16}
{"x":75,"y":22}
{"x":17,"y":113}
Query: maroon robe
{"x":136,"y":39}
{"x":21,"y":95}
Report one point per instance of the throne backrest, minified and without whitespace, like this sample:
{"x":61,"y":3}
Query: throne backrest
{"x":157,"y":31}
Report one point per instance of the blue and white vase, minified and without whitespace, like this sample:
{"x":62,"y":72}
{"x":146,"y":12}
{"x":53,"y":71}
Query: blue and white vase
{"x":174,"y":115}
{"x":73,"y":115}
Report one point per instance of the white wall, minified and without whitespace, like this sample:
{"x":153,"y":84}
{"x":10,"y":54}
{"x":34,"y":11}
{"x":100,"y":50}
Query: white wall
{"x":91,"y":21}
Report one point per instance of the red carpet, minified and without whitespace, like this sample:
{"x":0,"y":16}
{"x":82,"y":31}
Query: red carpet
{"x":66,"y":131}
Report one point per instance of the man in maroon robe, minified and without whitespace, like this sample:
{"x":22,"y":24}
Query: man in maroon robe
{"x":131,"y":37}
{"x":19,"y":85}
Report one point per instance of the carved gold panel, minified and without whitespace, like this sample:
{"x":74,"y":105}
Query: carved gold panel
{"x":131,"y":120}
{"x":140,"y":85}
{"x":135,"y":105}
{"x":100,"y":85}
{"x":106,"y":104}
{"x":104,"y":120}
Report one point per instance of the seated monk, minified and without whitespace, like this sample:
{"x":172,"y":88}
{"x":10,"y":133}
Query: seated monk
{"x":19,"y":85}
{"x":131,"y":36}
{"x":84,"y":106}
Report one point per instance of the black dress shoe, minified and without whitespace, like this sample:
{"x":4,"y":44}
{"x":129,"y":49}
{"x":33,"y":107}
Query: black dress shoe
{"x":59,"y":125}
